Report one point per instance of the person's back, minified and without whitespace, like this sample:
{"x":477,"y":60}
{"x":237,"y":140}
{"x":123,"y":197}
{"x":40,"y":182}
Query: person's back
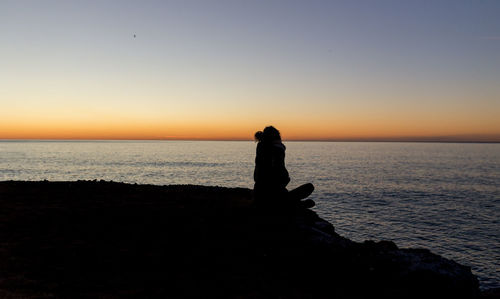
{"x":270,"y":171}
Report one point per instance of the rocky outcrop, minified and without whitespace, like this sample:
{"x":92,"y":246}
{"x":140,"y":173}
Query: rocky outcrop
{"x":113,"y":240}
{"x":384,"y":268}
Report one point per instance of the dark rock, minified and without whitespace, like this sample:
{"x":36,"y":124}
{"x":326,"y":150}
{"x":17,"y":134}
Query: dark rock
{"x":103,"y":239}
{"x":491,"y":293}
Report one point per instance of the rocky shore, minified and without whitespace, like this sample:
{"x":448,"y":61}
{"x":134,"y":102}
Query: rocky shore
{"x":96,"y":239}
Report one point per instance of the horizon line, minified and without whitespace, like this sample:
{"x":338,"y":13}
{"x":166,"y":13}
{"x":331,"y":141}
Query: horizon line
{"x":448,"y":139}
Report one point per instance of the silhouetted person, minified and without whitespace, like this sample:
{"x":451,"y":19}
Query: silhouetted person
{"x":271,"y":176}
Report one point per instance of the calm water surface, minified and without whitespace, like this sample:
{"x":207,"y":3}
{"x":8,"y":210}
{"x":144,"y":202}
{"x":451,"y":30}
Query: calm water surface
{"x":445,"y":197}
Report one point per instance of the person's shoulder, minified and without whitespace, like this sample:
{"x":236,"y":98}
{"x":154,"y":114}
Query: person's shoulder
{"x":279,"y":146}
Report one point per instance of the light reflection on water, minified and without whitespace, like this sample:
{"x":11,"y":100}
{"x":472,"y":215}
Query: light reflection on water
{"x":445,"y":197}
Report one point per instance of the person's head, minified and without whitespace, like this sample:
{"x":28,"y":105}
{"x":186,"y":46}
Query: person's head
{"x":269,"y":134}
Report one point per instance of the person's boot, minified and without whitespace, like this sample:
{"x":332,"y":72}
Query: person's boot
{"x":307,"y":204}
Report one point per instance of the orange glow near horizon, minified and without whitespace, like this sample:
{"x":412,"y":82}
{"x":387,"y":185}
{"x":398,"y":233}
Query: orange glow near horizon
{"x":234,"y":130}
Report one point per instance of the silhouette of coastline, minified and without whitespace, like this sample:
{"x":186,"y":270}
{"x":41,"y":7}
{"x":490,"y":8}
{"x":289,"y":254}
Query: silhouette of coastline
{"x":89,"y":239}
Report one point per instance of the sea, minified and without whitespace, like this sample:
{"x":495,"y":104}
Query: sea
{"x":441,"y":196}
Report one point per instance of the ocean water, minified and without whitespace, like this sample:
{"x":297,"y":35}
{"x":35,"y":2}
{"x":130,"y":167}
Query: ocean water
{"x":440,"y":196}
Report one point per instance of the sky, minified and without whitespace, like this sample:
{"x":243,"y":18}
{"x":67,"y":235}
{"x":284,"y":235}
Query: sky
{"x":316,"y":70}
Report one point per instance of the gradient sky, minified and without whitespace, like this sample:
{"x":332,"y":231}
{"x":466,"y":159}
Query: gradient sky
{"x":224,"y":69}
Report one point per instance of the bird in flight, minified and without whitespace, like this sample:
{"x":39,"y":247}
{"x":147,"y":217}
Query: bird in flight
{"x":134,"y":35}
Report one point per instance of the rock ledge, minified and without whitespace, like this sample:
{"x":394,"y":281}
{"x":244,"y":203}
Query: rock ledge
{"x":89,"y":239}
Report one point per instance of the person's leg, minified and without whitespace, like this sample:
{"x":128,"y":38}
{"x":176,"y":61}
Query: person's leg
{"x":300,"y":192}
{"x":270,"y":198}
